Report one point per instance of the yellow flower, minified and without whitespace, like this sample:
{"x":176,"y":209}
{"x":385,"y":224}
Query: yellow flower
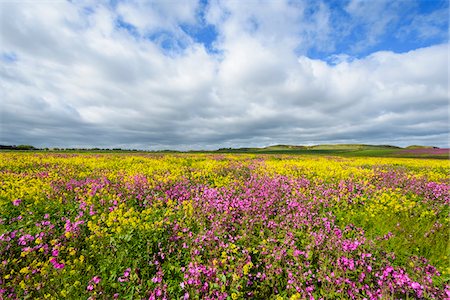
{"x":247,"y":267}
{"x":296,"y":296}
{"x":22,"y":284}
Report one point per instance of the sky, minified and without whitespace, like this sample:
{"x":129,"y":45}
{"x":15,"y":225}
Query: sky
{"x":210,"y":74}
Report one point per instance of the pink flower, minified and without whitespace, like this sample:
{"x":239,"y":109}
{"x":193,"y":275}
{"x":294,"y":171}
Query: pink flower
{"x":90,"y":287}
{"x":17,"y":202}
{"x":416,"y":285}
{"x":96,"y":279}
{"x":156,"y":279}
{"x":125,"y":275}
{"x":158,"y":292}
{"x":56,"y":264}
{"x":59,"y":266}
{"x":447,"y":292}
{"x":127,"y":272}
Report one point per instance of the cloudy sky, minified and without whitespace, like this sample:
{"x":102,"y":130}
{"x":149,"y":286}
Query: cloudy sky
{"x":208,"y":74}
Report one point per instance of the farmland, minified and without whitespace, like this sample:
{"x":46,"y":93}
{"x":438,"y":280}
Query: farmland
{"x":222,"y":226}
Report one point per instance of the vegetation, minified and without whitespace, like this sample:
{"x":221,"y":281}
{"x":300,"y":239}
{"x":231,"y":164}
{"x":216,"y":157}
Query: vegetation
{"x":19,"y":147}
{"x":222,"y":226}
{"x":346,"y":150}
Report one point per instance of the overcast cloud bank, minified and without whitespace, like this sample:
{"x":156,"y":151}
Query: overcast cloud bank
{"x":211,"y":75}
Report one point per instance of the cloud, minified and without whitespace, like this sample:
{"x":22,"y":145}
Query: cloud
{"x":374,"y":17}
{"x":427,"y":26}
{"x":153,"y":16}
{"x":81,"y":78}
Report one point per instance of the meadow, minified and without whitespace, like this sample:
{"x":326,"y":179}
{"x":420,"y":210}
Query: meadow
{"x":222,"y":226}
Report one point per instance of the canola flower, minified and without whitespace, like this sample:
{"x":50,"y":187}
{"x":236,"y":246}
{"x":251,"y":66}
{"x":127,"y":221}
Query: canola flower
{"x":113,"y":226}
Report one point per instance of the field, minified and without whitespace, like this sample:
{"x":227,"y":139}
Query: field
{"x":349,"y":150}
{"x":223,"y":226}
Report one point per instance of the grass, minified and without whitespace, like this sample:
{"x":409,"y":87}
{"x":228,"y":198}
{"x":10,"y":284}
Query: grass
{"x":344,"y":150}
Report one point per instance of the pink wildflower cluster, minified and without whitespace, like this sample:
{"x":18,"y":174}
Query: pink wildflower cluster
{"x":218,"y":227}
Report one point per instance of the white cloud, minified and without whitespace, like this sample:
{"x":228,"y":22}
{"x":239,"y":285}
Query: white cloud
{"x":427,"y":26}
{"x":79,"y":80}
{"x":158,"y":15}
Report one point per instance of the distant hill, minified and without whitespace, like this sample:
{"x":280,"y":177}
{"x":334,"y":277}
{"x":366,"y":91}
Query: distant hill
{"x":421,"y":147}
{"x":334,"y":147}
{"x":349,"y":150}
{"x":285,"y":147}
{"x":351,"y":147}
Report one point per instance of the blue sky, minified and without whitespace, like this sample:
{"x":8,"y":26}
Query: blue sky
{"x":210,"y":74}
{"x":398,"y":26}
{"x":357,"y":30}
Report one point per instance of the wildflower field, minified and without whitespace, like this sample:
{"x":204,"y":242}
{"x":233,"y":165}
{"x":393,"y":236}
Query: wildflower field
{"x":210,"y":226}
